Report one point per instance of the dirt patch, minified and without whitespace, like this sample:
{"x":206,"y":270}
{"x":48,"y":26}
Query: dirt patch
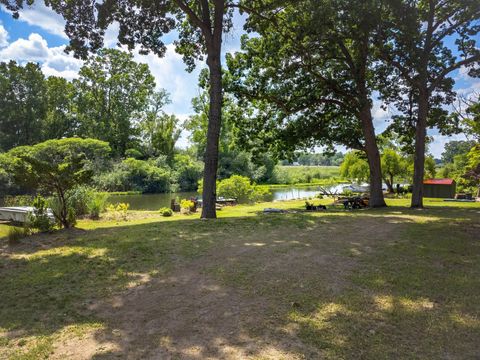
{"x":232,"y":302}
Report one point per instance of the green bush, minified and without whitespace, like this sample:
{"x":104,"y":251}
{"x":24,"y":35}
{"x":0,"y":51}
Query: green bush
{"x":120,"y":210}
{"x":166,"y":212}
{"x":135,"y":175}
{"x":239,"y":187}
{"x":97,"y":205}
{"x":348,"y":192}
{"x":71,"y":217}
{"x":56,"y":206}
{"x":133,"y":153}
{"x":19,"y":200}
{"x":40,"y":219}
{"x":187,"y":206}
{"x":79,"y":199}
{"x":187,"y":173}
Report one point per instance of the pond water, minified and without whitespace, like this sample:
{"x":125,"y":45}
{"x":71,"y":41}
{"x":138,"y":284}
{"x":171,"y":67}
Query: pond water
{"x":156,"y":201}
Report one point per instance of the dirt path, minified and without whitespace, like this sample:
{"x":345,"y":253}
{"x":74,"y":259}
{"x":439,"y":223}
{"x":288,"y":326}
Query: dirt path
{"x":232,"y":302}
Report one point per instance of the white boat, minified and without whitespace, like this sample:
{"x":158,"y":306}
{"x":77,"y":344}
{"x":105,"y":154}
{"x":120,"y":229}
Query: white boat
{"x":20,"y":214}
{"x":357,"y":188}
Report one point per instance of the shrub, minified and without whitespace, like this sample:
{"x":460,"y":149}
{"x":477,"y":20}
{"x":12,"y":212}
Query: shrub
{"x":79,"y":199}
{"x":188,"y":175}
{"x":71,"y":217}
{"x":66,"y":220}
{"x":133,"y":153}
{"x":96,"y":205}
{"x":40,"y":219}
{"x":347,"y":192}
{"x":239,"y":187}
{"x":136,"y":175}
{"x":120,"y":210}
{"x":187,"y":206}
{"x":167,"y":212}
{"x":19,"y":200}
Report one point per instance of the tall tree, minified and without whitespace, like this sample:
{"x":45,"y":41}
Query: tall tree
{"x":310,"y":76}
{"x":112,"y":89}
{"x":61,"y":118}
{"x":160,"y":131}
{"x":454,"y":148}
{"x":56,"y":166}
{"x":472,"y":173}
{"x":22,"y":103}
{"x":354,"y":167}
{"x":200,"y":25}
{"x":424,"y":42}
{"x":467,"y":115}
{"x":393,"y":165}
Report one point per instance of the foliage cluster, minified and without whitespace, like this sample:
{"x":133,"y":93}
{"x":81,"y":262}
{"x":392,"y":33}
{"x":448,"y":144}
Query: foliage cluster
{"x":119,"y":210}
{"x":57,"y":167}
{"x":187,"y":206}
{"x":166,"y":212}
{"x":240,"y":188}
{"x":40,"y":218}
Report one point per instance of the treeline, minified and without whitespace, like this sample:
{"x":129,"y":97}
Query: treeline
{"x":461,"y":162}
{"x":315,"y":159}
{"x":115,"y":100}
{"x":313,"y":70}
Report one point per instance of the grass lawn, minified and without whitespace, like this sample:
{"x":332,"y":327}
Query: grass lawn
{"x":368,"y":284}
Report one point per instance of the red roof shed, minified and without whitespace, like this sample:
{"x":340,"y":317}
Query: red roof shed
{"x":439,"y":188}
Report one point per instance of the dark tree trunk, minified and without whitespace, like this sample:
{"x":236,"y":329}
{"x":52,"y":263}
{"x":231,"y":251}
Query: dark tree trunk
{"x":419,"y":156}
{"x":63,"y":216}
{"x":213,"y":133}
{"x":373,"y":155}
{"x":365,"y":114}
{"x":389,"y":183}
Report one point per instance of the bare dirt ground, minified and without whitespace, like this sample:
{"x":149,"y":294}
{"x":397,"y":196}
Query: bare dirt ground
{"x":384,"y":284}
{"x":195,"y":313}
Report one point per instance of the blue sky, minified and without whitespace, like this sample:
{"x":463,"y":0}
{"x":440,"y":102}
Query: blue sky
{"x":38,"y":36}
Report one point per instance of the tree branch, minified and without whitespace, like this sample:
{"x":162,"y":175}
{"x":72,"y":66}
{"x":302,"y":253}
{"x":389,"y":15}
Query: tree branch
{"x":193,"y":17}
{"x":449,"y":69}
{"x":206,"y":13}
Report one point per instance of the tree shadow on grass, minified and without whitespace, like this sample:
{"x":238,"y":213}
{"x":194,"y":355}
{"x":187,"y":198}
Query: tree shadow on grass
{"x":234,"y":287}
{"x":418,"y":297}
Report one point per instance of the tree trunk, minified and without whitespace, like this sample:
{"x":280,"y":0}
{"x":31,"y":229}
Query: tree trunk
{"x":213,"y":134}
{"x":419,"y":156}
{"x":373,"y":155}
{"x":389,"y":183}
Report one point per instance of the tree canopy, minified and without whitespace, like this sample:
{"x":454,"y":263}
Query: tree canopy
{"x":56,"y":166}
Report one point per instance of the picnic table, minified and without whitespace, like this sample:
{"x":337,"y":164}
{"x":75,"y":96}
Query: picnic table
{"x":354,"y":202}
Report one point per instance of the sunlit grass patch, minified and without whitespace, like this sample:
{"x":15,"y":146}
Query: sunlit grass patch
{"x":335,"y":281}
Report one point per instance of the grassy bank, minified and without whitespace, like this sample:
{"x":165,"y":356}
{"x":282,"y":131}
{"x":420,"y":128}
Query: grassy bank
{"x":388,"y":283}
{"x":307,"y":174}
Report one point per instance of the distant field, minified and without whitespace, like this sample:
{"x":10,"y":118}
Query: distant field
{"x":306,"y":174}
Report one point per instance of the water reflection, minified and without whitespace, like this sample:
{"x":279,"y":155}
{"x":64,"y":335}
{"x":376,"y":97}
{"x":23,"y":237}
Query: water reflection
{"x":156,"y":201}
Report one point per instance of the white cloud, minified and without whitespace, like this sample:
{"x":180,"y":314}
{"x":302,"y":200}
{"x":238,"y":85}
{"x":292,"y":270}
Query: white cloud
{"x":54,"y":61}
{"x":35,"y":48}
{"x":437,"y":146}
{"x":472,"y":88}
{"x":3,"y":36}
{"x":110,"y":39}
{"x":170,"y":74}
{"x":40,"y":15}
